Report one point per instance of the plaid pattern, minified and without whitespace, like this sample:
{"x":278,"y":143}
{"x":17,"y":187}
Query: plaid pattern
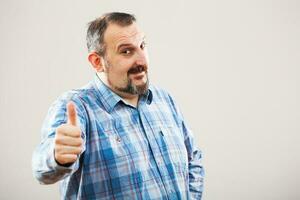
{"x":129,"y":153}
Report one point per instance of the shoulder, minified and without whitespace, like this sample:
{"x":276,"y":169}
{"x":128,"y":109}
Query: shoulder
{"x":80,"y":97}
{"x":162,"y":96}
{"x":165,"y":101}
{"x":159,"y":93}
{"x":77,"y":95}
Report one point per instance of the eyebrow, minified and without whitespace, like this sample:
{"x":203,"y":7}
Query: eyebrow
{"x":129,"y":44}
{"x":124,"y":45}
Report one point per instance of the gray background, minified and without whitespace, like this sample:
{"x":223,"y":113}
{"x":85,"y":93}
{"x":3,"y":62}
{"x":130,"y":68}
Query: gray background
{"x":233,"y":67}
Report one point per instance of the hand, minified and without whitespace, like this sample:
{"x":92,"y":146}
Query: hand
{"x":68,"y":141}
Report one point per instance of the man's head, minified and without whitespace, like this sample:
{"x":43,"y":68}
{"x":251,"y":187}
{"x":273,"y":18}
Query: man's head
{"x":117,"y":52}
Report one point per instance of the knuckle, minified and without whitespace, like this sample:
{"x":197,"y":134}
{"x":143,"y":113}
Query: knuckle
{"x":80,"y":142}
{"x":56,"y":147}
{"x":58,"y":139}
{"x":77,"y":132}
{"x":79,"y":150}
{"x":73,"y":159}
{"x":58,"y":157}
{"x":60,"y":129}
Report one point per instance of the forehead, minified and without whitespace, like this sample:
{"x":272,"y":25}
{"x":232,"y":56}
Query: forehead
{"x":116,"y":35}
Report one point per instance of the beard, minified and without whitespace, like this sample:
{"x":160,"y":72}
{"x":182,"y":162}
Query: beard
{"x":130,"y":87}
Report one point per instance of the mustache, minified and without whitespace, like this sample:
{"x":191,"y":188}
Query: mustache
{"x":137,"y":69}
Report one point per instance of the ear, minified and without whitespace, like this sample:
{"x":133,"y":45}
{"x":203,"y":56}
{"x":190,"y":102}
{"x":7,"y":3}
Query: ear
{"x":97,"y":61}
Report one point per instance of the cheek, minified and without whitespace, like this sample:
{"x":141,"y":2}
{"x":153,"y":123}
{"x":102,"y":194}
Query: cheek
{"x":118,"y":75}
{"x":119,"y":68}
{"x":126,"y":65}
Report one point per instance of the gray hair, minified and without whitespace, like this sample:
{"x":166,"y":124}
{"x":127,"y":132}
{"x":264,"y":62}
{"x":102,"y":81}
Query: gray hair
{"x":97,"y":28}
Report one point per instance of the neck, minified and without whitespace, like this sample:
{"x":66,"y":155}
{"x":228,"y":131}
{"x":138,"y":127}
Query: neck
{"x":129,"y":98}
{"x":132,"y":101}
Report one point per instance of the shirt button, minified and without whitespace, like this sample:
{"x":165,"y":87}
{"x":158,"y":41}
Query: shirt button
{"x":159,"y":162}
{"x":118,"y":139}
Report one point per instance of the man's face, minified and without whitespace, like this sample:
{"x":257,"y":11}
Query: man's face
{"x":126,"y":59}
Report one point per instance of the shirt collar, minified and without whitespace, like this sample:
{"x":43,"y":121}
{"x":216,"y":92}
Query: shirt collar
{"x":147,"y":97}
{"x":110,"y":99}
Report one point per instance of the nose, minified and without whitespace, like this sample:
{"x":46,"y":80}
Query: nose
{"x":141,"y":58}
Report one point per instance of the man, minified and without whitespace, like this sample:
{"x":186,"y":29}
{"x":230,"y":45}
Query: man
{"x":118,"y":137}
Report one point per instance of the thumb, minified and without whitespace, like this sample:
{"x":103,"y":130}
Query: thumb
{"x":72,"y":114}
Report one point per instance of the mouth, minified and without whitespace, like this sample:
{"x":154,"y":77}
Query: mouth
{"x":137,"y":70}
{"x":138,"y":75}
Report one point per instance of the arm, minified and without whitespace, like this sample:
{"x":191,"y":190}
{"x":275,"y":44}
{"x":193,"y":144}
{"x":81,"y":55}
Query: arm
{"x":45,"y":167}
{"x":196,"y":171}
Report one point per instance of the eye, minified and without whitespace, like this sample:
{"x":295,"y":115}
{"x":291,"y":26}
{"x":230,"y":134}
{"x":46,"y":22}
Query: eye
{"x":143,"y":45}
{"x":126,"y":51}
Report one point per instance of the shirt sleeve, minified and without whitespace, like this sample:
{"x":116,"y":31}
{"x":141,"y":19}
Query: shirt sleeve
{"x":45,"y":169}
{"x":196,"y":170}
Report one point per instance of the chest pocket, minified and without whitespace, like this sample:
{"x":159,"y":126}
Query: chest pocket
{"x":171,"y":142}
{"x":111,"y":146}
{"x":123,"y":150}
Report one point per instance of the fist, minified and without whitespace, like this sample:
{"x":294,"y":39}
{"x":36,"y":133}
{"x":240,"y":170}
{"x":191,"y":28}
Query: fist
{"x":68,"y":141}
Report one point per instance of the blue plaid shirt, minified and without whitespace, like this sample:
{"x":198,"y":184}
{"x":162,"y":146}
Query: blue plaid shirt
{"x":143,"y":152}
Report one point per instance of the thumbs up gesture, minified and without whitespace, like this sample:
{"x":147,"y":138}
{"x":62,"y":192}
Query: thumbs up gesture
{"x":68,"y":141}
